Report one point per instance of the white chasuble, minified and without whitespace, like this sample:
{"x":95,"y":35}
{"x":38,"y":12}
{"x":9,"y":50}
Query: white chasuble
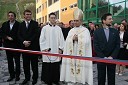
{"x":51,"y":38}
{"x":74,"y":70}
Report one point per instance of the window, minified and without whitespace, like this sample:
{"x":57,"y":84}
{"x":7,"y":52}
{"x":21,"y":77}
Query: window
{"x":57,"y":14}
{"x":55,"y":1}
{"x":50,"y":2}
{"x":46,"y":18}
{"x":43,"y":19}
{"x":37,"y":10}
{"x":39,"y":20}
{"x":75,"y":5}
{"x":42,"y":6}
{"x":64,"y":9}
{"x":71,"y":6}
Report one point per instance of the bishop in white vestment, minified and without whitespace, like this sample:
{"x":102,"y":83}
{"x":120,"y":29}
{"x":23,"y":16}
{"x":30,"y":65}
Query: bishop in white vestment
{"x":78,"y":43}
{"x":52,"y":41}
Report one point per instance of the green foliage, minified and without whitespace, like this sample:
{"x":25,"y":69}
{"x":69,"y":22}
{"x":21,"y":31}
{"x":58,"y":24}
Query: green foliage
{"x":10,"y":5}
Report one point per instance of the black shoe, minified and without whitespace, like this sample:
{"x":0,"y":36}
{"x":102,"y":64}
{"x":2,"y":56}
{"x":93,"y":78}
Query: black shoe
{"x":34,"y":82}
{"x":10,"y":79}
{"x":56,"y":83}
{"x":17,"y":79}
{"x":25,"y":81}
{"x":126,"y":80}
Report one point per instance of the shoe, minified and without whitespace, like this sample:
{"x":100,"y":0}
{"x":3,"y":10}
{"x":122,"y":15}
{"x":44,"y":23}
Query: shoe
{"x":120,"y":74}
{"x":25,"y":81}
{"x":126,"y":80}
{"x":116,"y":73}
{"x":17,"y":79}
{"x":10,"y":79}
{"x":56,"y":84}
{"x":42,"y":82}
{"x":34,"y":82}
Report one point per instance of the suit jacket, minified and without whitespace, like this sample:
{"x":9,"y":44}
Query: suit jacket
{"x":65,"y":32}
{"x":104,"y":48}
{"x":125,"y":37}
{"x":29,"y":34}
{"x":5,"y":31}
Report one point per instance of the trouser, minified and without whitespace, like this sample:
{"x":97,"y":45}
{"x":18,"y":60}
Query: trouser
{"x":33,"y":60}
{"x":13,"y":71}
{"x":50,"y":72}
{"x":102,"y":70}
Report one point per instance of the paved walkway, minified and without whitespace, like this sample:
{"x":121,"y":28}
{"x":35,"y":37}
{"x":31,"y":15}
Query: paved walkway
{"x":120,"y":80}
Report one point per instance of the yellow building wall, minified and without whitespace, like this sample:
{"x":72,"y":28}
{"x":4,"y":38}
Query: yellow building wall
{"x":44,"y":11}
{"x":39,"y":15}
{"x":64,"y":16}
{"x":67,"y":15}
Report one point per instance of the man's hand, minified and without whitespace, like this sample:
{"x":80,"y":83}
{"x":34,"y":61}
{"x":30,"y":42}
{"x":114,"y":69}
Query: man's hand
{"x":75,"y":37}
{"x":45,"y":50}
{"x":105,"y":57}
{"x":27,"y":43}
{"x":60,"y":51}
{"x":110,"y":57}
{"x":9,"y":38}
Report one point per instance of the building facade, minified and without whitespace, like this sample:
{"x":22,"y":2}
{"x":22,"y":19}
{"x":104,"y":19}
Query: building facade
{"x":67,"y":9}
{"x":41,"y":11}
{"x":62,"y":8}
{"x":94,"y":9}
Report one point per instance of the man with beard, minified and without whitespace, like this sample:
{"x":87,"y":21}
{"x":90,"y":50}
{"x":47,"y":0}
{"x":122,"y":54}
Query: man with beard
{"x":106,"y":45}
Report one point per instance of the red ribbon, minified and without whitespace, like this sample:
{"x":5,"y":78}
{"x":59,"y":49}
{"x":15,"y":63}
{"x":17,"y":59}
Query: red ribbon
{"x":96,"y":59}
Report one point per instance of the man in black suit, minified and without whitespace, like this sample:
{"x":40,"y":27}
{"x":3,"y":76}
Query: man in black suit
{"x":9,"y":32}
{"x":106,"y":45}
{"x":66,"y":30}
{"x":29,"y":37}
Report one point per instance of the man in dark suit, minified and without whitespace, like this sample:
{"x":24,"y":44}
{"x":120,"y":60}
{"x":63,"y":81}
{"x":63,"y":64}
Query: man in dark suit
{"x":66,"y":30}
{"x":29,"y":38}
{"x":9,"y":32}
{"x":106,"y":45}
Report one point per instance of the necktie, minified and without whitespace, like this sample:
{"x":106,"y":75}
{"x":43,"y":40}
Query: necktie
{"x":27,"y":24}
{"x":107,"y":34}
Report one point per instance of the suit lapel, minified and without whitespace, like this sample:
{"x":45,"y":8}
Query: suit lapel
{"x":29,"y":26}
{"x":24,"y":26}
